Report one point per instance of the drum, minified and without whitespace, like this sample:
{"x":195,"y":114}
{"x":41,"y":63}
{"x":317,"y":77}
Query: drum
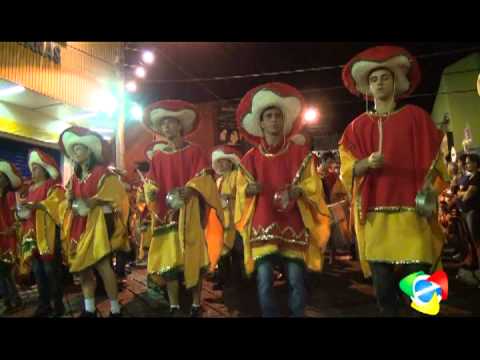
{"x":80,"y":207}
{"x":426,"y":202}
{"x":23,"y":212}
{"x":174,"y":199}
{"x":282,"y":201}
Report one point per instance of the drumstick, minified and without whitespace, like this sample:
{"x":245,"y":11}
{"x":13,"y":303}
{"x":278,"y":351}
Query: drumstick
{"x":141,"y":176}
{"x":380,"y":135}
{"x":17,"y":199}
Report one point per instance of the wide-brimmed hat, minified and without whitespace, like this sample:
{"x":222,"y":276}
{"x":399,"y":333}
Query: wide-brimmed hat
{"x":185,"y":112}
{"x":282,"y":96}
{"x":37,"y":156}
{"x":92,"y":140}
{"x":396,"y":59}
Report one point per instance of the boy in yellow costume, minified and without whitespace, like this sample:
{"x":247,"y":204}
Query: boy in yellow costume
{"x":386,"y":156}
{"x":180,"y":190}
{"x":41,"y":245}
{"x":225,"y":163}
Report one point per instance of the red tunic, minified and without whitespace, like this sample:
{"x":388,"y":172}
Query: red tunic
{"x":410,"y":143}
{"x":35,"y":196}
{"x":274,"y":171}
{"x":8,"y":243}
{"x":171,"y":170}
{"x":82,"y":190}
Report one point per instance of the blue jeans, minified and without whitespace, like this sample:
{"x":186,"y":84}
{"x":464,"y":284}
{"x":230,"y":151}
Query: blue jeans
{"x":296,"y":282}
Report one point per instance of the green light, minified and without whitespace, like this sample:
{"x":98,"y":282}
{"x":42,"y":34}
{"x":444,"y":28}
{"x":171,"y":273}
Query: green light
{"x":136,"y":112}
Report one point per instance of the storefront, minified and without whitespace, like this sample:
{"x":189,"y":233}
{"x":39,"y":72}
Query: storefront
{"x":46,"y":87}
{"x":457,"y":105}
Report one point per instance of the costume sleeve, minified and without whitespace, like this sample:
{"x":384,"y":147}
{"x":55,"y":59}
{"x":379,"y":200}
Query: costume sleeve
{"x":347,"y":163}
{"x":56,"y":195}
{"x":113,"y":191}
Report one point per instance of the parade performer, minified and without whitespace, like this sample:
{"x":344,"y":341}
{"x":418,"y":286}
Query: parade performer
{"x":392,"y":165}
{"x":180,"y":190}
{"x":95,"y":215}
{"x":280,"y":208}
{"x":41,"y":244}
{"x":225,"y":162}
{"x":10,"y":181}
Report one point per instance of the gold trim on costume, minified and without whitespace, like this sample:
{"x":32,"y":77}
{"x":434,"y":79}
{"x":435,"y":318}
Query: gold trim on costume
{"x":280,"y":152}
{"x":203,"y":172}
{"x":164,"y":227}
{"x":391,"y":209}
{"x":272,"y":232}
{"x":166,"y":269}
{"x":85,"y":178}
{"x":175,"y":150}
{"x":298,"y":175}
{"x":372,"y":113}
{"x":398,"y":262}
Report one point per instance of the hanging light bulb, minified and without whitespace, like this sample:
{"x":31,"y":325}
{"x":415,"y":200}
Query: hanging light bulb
{"x":131,"y":86}
{"x":311,"y":115}
{"x":148,"y":57}
{"x":140,"y":72}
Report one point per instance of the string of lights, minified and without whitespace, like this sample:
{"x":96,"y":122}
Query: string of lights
{"x":138,"y":72}
{"x":295,"y":71}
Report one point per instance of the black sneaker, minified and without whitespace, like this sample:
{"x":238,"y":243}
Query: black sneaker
{"x":175,"y":312}
{"x":88,"y":314}
{"x":196,"y":311}
{"x":42,"y":311}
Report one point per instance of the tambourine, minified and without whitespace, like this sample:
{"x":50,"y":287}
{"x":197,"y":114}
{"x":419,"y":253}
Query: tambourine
{"x":282,"y":201}
{"x":426,"y":202}
{"x":174,"y":199}
{"x":80,"y":207}
{"x":23,"y":212}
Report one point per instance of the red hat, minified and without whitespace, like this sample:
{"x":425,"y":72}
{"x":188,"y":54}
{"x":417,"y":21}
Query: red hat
{"x":285,"y":97}
{"x":37,"y":156}
{"x":92,"y":140}
{"x":153,"y":147}
{"x":185,"y":112}
{"x":12,"y":173}
{"x":396,"y":59}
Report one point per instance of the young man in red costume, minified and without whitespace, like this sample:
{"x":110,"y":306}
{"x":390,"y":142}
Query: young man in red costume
{"x":280,"y":208}
{"x":179,"y":190}
{"x":385,"y":156}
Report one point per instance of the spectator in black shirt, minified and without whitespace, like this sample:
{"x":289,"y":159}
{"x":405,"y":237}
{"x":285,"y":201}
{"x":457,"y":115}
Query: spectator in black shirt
{"x":469,"y":196}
